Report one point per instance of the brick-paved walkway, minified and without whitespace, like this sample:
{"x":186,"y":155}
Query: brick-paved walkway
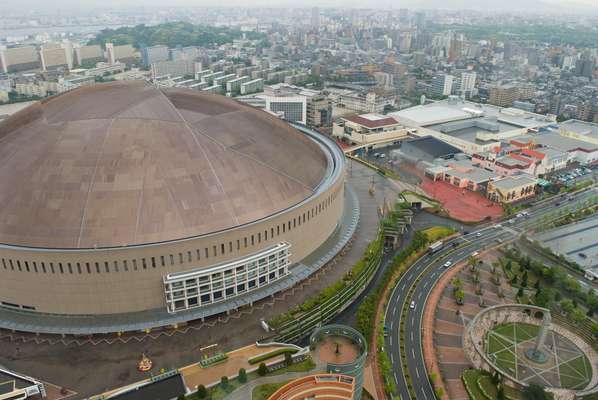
{"x":461,"y":204}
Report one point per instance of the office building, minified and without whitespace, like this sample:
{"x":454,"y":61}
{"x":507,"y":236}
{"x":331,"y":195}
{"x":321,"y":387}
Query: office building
{"x":53,"y":56}
{"x":174,"y":68}
{"x":124,"y":53}
{"x":88,"y":55}
{"x":503,"y":95}
{"x":442,"y":85}
{"x":234,"y":85}
{"x":252,"y":86}
{"x":153,"y":54}
{"x":17,"y":59}
{"x":467,"y":84}
{"x":368,"y":128}
{"x":291,"y":108}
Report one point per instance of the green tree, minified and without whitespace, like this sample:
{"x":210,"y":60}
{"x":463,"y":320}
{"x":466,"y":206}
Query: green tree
{"x":262,"y":370}
{"x":288,"y":359}
{"x":242,"y":375}
{"x":520,"y":292}
{"x":557,"y":296}
{"x":567,"y":305}
{"x":500,"y":392}
{"x":224,"y":382}
{"x":202,"y":392}
{"x":457,"y":284}
{"x":577,"y":315}
{"x":535,"y":392}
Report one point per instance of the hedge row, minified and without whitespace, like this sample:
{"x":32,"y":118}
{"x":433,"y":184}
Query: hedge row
{"x":272,"y":354}
{"x":373,"y":249}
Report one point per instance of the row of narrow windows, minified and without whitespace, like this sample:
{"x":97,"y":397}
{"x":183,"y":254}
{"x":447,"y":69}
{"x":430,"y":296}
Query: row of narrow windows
{"x":153,"y":262}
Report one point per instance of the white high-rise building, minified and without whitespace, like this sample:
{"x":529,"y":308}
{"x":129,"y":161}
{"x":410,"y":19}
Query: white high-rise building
{"x":467,"y":86}
{"x":442,"y":85}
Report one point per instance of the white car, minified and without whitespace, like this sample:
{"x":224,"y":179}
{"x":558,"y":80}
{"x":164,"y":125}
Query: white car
{"x":412,"y":305}
{"x":474,"y":254}
{"x":447,"y":264}
{"x":478,"y":234}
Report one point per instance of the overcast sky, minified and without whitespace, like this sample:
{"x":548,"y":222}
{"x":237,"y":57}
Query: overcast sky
{"x":565,"y":5}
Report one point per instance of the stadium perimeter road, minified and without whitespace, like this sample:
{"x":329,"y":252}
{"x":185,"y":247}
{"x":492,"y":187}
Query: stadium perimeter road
{"x":91,"y":369}
{"x":429,"y":268}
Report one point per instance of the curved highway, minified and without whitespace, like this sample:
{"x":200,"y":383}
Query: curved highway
{"x":417,"y":283}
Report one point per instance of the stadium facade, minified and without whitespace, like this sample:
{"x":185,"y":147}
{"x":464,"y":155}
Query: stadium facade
{"x":124,"y":199}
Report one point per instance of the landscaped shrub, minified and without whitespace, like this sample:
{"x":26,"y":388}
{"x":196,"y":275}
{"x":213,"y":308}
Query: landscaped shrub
{"x":272,"y":354}
{"x":224,"y":382}
{"x":202,"y":392}
{"x":262,"y":370}
{"x":242,"y":375}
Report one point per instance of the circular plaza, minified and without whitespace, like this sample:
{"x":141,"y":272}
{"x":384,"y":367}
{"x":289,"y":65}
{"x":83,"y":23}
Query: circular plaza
{"x":524,"y":345}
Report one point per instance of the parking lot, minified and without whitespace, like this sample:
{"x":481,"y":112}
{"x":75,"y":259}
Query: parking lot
{"x":383,"y":158}
{"x":572,"y":175}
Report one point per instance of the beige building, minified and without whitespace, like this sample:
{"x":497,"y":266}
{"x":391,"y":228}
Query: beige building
{"x":124,"y":53}
{"x":503,"y":95}
{"x":512,"y":189}
{"x":157,"y":202}
{"x":368,"y":129}
{"x":18,"y":59}
{"x":91,"y":53}
{"x":53,"y":56}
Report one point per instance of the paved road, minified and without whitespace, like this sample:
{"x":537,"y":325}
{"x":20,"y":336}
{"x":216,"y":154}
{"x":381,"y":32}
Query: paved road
{"x":429,"y":268}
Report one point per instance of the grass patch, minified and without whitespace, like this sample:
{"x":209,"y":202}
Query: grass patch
{"x":470,"y":380}
{"x":436,"y":232}
{"x":303,"y":366}
{"x":272,"y":354}
{"x":575,"y":374}
{"x":262,"y":392}
{"x":220,"y":393}
{"x":479,"y":386}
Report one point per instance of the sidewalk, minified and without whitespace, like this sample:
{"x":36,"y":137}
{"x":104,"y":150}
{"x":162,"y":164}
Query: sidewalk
{"x":244,"y":392}
{"x":195,"y":375}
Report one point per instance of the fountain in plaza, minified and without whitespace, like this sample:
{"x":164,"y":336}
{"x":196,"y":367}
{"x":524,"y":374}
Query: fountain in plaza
{"x":538,"y":354}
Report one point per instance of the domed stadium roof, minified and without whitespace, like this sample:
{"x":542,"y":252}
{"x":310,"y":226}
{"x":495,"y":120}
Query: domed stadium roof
{"x":126,"y":163}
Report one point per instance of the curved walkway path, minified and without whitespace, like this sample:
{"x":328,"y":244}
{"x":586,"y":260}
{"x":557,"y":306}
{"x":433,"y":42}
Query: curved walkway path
{"x":241,"y":393}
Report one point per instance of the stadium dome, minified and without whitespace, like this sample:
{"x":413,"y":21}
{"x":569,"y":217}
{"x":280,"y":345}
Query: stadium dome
{"x":125,"y":207}
{"x":126,"y":163}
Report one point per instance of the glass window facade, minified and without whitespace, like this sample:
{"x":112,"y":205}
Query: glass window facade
{"x":205,"y":286}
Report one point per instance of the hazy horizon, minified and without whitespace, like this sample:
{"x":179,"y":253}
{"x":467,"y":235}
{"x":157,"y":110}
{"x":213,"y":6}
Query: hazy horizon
{"x":506,"y":5}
